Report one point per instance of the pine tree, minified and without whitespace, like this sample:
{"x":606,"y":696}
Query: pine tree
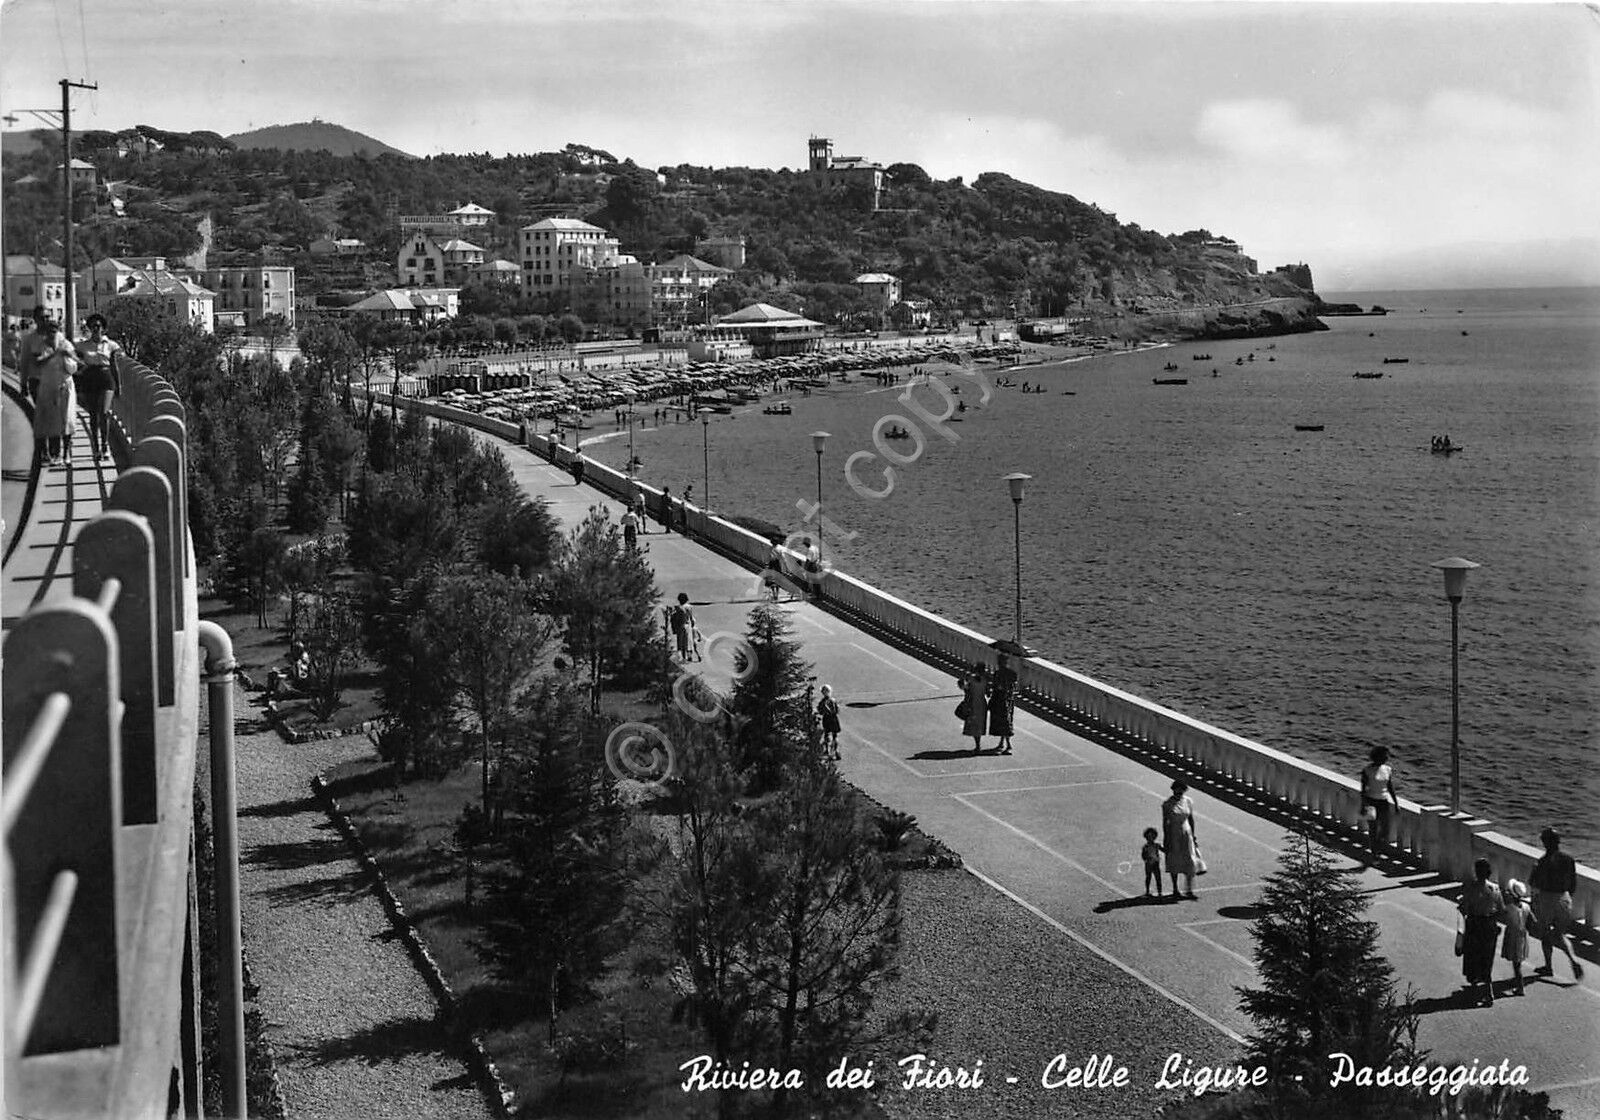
{"x":828,"y":927}
{"x":492,"y":636}
{"x":768,"y":704}
{"x":1325,"y":987}
{"x":604,"y":596}
{"x":559,"y":910}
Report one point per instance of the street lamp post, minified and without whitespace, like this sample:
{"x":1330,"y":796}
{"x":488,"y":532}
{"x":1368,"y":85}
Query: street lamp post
{"x":705,"y":455}
{"x":631,"y":396}
{"x":1016,"y":482}
{"x":1455,"y":585}
{"x":819,"y":440}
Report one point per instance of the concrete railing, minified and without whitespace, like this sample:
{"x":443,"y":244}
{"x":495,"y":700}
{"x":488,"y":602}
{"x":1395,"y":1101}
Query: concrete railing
{"x":100,"y":720}
{"x":1431,"y":835}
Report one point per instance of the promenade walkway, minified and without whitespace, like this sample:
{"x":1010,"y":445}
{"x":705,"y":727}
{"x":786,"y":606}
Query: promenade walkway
{"x":1056,"y":826}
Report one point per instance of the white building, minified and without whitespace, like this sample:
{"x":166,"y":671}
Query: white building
{"x":881,"y":288}
{"x":558,"y":251}
{"x":250,"y":292}
{"x":31,"y":282}
{"x":420,"y":260}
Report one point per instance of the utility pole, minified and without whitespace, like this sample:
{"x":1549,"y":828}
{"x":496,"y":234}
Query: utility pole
{"x":68,"y":324}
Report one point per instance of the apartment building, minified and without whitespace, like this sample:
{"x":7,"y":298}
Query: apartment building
{"x":556,"y":252}
{"x":245,"y":294}
{"x":678,"y":287}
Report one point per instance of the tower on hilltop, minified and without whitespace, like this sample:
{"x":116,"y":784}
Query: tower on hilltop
{"x":821,"y":153}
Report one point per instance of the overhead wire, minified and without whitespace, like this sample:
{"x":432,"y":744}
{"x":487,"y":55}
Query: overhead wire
{"x":61,"y":39}
{"x":83,"y":32}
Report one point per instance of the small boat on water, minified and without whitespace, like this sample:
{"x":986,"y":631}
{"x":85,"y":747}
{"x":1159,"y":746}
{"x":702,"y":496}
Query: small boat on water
{"x":1395,"y":361}
{"x":778,"y":408}
{"x":896,"y":432}
{"x":1308,"y":427}
{"x":1170,"y":380}
{"x":1171,"y":367}
{"x":1200,"y":357}
{"x":1368,"y":376}
{"x":1447,"y":449}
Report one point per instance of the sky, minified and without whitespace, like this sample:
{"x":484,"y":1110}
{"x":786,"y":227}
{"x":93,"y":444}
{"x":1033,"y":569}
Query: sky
{"x":1386,"y":145}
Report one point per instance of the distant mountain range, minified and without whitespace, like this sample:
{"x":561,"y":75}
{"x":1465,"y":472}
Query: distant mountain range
{"x":316,"y":136}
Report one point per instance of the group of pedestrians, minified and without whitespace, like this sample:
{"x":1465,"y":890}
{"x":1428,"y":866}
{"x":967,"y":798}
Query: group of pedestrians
{"x":59,"y":376}
{"x":1544,"y":913}
{"x":988,"y":704}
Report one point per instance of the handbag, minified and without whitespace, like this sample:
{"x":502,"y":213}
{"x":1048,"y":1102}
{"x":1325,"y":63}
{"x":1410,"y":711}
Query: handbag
{"x":1461,"y":939}
{"x":1200,"y":867}
{"x":964,"y":709}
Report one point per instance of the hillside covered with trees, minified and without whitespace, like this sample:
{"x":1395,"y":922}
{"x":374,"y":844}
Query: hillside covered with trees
{"x":988,"y":247}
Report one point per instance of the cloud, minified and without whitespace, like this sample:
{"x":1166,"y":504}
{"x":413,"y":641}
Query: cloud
{"x":1259,"y":129}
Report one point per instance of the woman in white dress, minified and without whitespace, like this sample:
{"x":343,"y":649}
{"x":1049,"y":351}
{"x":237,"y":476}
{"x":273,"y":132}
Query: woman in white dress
{"x":1177,"y":834}
{"x":55,"y":409}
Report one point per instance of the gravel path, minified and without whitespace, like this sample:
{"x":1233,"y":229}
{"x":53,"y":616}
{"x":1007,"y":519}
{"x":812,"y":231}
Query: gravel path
{"x":352,"y":1023}
{"x":1014,"y":991}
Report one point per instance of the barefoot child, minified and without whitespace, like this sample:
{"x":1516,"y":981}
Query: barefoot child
{"x":1151,"y":853}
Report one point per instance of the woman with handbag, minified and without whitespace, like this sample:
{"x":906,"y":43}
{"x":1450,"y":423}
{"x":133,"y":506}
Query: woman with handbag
{"x":1178,"y":840}
{"x":973,"y":709}
{"x":1481,"y":907}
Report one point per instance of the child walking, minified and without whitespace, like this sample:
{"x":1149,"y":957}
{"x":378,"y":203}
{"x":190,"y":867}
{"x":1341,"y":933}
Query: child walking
{"x":1515,"y":946}
{"x":1151,"y":854}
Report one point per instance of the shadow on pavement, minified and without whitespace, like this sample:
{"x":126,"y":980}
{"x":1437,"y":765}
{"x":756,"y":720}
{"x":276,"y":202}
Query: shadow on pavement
{"x":1138,"y":900}
{"x":1240,"y":913}
{"x":392,"y":1041}
{"x":286,"y":808}
{"x":300,"y":853}
{"x":906,"y":700}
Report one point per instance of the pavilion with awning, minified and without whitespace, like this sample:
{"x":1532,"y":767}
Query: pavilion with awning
{"x":771,"y":331}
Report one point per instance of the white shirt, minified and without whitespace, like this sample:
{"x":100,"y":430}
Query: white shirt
{"x":1375,"y":781}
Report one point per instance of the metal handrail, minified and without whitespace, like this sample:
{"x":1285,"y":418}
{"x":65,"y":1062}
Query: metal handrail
{"x":42,"y":953}
{"x":30,"y":760}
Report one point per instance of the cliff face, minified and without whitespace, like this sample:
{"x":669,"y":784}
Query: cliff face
{"x":1255,"y":319}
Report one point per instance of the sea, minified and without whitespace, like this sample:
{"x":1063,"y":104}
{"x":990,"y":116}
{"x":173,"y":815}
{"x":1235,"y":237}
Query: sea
{"x":1189,"y":543}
